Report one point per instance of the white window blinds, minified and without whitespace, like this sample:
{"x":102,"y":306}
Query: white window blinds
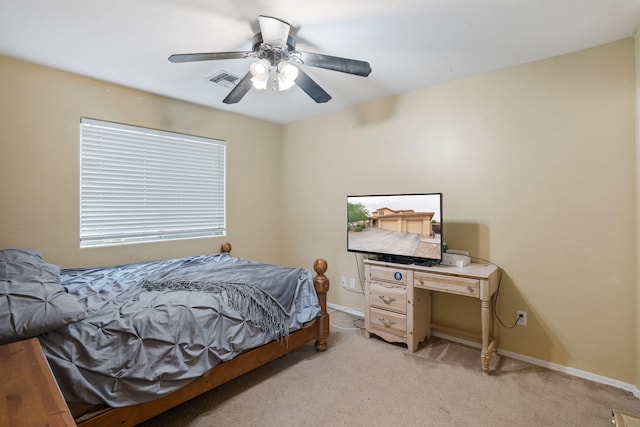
{"x":140,"y":184}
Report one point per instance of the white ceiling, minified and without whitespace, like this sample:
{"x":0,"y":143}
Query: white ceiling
{"x":410,"y":44}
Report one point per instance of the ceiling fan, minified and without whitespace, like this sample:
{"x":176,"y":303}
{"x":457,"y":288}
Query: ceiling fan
{"x":277,"y":63}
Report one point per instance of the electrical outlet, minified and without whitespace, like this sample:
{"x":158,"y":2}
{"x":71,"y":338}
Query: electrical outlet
{"x":352,"y":283}
{"x":522,"y":318}
{"x":343,"y":281}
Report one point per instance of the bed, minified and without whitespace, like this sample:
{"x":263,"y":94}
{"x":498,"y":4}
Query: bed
{"x":128,"y":342}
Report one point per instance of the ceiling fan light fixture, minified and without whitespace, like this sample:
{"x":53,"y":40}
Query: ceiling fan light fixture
{"x":260,"y":73}
{"x":287,"y":74}
{"x":260,"y":68}
{"x":259,"y":84}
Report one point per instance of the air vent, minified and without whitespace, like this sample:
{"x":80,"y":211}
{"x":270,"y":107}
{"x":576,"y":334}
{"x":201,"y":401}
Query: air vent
{"x":224,"y":79}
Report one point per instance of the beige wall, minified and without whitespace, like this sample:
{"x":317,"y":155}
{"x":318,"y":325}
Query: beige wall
{"x":537,"y":167}
{"x":637,"y":45}
{"x":40,"y":112}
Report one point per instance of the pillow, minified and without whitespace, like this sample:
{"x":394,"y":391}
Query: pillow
{"x":32,"y":300}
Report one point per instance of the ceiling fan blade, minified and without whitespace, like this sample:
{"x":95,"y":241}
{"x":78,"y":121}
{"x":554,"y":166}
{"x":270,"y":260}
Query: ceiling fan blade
{"x":190,"y":57}
{"x":240,"y":90}
{"x":274,"y":31}
{"x":311,"y":88}
{"x":344,"y":65}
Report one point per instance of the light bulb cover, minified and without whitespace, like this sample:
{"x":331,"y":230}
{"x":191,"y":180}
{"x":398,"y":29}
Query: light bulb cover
{"x":260,"y":84}
{"x":260,"y":72}
{"x":260,"y":69}
{"x":287,"y":74}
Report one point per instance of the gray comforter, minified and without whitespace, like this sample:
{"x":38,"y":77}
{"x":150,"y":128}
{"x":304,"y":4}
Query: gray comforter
{"x":153,"y":327}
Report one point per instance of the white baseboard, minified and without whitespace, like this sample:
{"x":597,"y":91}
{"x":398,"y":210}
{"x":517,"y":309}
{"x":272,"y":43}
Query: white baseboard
{"x":347,"y":310}
{"x":552,"y":366}
{"x":532,"y":360}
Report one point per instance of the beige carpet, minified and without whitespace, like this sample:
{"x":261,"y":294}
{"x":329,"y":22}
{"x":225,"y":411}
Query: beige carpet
{"x":368,"y":382}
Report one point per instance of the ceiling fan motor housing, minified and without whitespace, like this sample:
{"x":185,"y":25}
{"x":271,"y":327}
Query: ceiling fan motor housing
{"x":273,"y":53}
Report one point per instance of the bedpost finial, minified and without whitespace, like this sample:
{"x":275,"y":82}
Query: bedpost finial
{"x":320,"y":266}
{"x":226,"y":247}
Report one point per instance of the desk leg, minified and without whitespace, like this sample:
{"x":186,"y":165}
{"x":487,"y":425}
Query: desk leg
{"x":485,"y":356}
{"x":494,"y":322}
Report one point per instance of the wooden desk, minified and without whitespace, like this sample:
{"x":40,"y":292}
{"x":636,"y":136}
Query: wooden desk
{"x":29,"y":394}
{"x":398,"y":301}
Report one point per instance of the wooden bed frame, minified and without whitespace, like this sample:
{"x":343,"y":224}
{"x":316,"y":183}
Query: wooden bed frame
{"x":226,"y":371}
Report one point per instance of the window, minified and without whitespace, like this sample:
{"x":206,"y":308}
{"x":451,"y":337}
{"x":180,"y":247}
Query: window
{"x":140,"y":184}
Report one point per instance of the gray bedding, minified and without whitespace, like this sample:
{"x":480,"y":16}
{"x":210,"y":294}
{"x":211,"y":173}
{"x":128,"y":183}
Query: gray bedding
{"x":153,"y":327}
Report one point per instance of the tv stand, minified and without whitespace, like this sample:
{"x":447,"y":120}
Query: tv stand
{"x":398,"y":301}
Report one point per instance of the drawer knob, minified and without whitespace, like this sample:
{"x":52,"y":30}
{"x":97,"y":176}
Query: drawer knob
{"x":386,"y":323}
{"x":387,"y":300}
{"x":470,"y":288}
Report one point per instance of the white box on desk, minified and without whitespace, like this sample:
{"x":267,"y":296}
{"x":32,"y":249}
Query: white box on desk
{"x":455,"y":260}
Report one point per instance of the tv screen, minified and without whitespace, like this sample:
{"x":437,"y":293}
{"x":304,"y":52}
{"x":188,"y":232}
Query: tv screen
{"x":404,"y":228}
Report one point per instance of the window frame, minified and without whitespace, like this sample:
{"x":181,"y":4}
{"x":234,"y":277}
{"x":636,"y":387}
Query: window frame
{"x":140,"y":184}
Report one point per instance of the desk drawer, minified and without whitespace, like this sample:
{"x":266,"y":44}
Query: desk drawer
{"x":389,"y":322}
{"x":389,"y":274}
{"x":388,"y":298}
{"x":451,"y":284}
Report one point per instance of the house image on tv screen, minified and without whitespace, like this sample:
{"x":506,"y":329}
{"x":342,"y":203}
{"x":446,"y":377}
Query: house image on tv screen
{"x":402,"y":221}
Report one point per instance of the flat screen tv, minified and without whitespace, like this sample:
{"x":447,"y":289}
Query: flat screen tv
{"x":403,"y":228}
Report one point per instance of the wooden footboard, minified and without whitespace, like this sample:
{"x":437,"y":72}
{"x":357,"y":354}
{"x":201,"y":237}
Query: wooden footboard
{"x":224,"y":372}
